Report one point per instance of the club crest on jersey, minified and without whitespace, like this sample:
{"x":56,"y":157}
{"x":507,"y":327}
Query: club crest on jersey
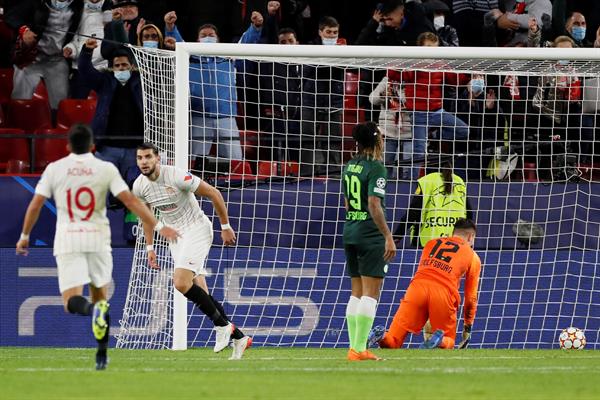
{"x":170,"y":190}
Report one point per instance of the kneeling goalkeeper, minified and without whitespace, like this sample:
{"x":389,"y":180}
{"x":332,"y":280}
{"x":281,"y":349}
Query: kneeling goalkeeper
{"x":433,"y":292}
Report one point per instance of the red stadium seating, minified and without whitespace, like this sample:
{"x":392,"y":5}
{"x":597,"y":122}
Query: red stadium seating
{"x":249,"y":142}
{"x":6,"y":84}
{"x":29,"y":115}
{"x":17,"y":167}
{"x":13,"y":148}
{"x":2,"y":118}
{"x":72,"y":111}
{"x":278,"y":168}
{"x":48,"y":150}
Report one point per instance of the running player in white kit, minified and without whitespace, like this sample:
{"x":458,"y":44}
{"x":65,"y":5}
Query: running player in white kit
{"x":172,"y":191}
{"x":79,"y":184}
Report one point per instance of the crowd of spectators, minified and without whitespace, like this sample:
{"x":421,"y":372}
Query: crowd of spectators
{"x":73,"y":47}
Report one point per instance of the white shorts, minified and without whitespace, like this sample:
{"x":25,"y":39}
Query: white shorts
{"x":78,"y":269}
{"x":191,"y":250}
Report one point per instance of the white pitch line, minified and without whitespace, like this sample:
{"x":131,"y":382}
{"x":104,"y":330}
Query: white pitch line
{"x":378,"y":370}
{"x":384,"y":355}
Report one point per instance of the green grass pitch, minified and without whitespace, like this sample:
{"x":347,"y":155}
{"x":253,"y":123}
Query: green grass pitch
{"x":297,"y":373}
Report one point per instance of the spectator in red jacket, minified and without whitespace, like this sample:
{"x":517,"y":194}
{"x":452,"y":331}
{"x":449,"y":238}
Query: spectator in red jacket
{"x":424,"y":92}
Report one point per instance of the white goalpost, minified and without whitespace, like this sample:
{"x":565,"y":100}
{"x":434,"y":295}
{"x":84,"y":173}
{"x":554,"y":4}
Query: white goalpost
{"x":529,"y":162}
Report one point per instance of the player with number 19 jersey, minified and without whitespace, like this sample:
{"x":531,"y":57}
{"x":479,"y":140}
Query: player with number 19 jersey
{"x":79,"y":184}
{"x":362,"y":178}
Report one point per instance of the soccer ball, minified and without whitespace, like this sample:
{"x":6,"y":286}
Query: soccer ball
{"x":571,"y":339}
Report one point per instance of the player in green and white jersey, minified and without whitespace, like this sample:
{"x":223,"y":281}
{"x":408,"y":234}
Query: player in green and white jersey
{"x":368,"y":241}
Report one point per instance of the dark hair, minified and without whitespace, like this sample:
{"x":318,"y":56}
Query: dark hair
{"x":464,"y":224}
{"x":427,"y":36}
{"x":123,"y":52}
{"x":447,"y":176}
{"x":328,"y":22}
{"x":391,"y":6}
{"x":122,"y":3}
{"x":148,"y":146}
{"x":80,"y":138}
{"x":285,"y":31}
{"x":210,"y":26}
{"x":366,"y":134}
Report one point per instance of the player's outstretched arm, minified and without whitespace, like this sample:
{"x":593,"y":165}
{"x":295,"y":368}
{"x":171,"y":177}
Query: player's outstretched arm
{"x":31,"y":216}
{"x":376,"y":212}
{"x":471,"y":295}
{"x":210,"y":192}
{"x":139,"y":209}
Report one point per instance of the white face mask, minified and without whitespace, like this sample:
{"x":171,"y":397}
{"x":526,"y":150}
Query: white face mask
{"x":439,"y":22}
{"x":61,"y":5}
{"x":208,"y":39}
{"x":94,"y":6}
{"x":329,"y":41}
{"x":122,"y":76}
{"x":151,"y":44}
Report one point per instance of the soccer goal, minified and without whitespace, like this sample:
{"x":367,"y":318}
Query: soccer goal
{"x":270,"y":125}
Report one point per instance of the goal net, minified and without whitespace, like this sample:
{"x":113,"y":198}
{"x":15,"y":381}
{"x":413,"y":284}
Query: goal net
{"x":270,"y":126}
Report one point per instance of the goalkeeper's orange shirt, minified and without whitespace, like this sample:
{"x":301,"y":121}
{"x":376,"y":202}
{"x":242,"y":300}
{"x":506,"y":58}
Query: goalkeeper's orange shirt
{"x":445,"y":261}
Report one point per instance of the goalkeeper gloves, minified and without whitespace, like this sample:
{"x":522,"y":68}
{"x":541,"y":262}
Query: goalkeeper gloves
{"x":466,"y":337}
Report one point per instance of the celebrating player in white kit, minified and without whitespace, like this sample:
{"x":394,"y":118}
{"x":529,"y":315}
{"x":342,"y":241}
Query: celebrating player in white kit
{"x":79,"y":184}
{"x":171,"y":190}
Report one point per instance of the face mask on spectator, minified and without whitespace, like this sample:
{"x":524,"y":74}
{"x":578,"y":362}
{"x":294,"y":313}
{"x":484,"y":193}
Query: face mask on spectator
{"x":122,"y":76}
{"x":438,"y":22}
{"x":329,"y":41}
{"x":94,"y":6}
{"x":208,"y":39}
{"x":151,"y":44}
{"x":61,"y":5}
{"x":477,"y":85}
{"x":578,"y":33}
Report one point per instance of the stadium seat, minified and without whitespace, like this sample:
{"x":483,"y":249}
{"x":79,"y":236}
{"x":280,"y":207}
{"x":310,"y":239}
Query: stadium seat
{"x":48,"y":150}
{"x":278,"y":168}
{"x":239,"y":167}
{"x":530,"y":172}
{"x":17,"y":167}
{"x":249,"y":142}
{"x":13,"y":148}
{"x":2,"y":118}
{"x":72,"y":111}
{"x":6,"y":84}
{"x":29,"y":115}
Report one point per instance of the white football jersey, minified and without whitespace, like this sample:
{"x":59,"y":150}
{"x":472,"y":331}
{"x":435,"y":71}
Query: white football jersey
{"x":172,"y":193}
{"x":79,"y":184}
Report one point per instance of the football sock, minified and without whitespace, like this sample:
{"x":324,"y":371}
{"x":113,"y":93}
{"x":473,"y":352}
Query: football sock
{"x":103,"y":343}
{"x":203,"y":300}
{"x":236,"y":334}
{"x":79,"y":305}
{"x":364,"y":321}
{"x":351,"y":311}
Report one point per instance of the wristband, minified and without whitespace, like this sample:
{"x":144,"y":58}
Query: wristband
{"x":225,"y":227}
{"x":159,"y":226}
{"x":149,"y":248}
{"x":24,"y":236}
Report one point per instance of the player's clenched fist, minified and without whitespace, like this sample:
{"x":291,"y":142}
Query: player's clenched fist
{"x":228,"y":237}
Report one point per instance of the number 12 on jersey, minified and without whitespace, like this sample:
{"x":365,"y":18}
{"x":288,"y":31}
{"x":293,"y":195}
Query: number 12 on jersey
{"x":353,"y":191}
{"x":87,"y":207}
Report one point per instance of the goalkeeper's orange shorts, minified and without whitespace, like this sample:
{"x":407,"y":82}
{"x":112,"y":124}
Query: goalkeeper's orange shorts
{"x":425,"y":299}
